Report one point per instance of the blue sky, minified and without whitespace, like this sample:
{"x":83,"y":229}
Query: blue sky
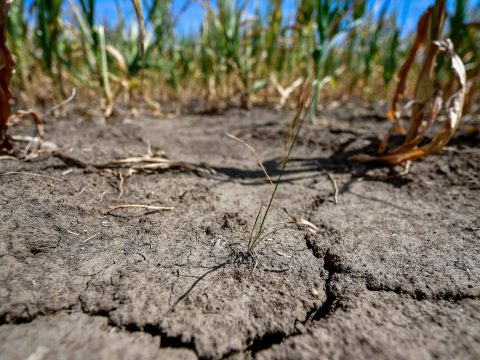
{"x":191,"y":19}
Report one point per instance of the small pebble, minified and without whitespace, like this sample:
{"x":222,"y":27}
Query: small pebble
{"x":444,"y":169}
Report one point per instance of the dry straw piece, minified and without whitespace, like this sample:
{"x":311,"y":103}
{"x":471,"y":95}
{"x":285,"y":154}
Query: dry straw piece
{"x":254,"y":152}
{"x":139,"y":206}
{"x":124,"y":168}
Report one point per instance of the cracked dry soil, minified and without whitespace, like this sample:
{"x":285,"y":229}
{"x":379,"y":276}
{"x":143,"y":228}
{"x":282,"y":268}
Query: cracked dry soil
{"x":393,"y":272}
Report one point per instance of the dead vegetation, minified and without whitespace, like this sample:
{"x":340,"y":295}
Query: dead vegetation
{"x":210,"y":278}
{"x":428,"y":106}
{"x":7,"y":65}
{"x":122,"y":169}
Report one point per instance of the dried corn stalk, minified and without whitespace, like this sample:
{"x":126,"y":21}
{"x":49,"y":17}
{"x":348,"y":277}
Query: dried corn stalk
{"x":451,"y":108}
{"x":6,"y":69}
{"x":394,"y":112}
{"x":426,"y":79}
{"x":297,"y":120}
{"x":428,"y":103}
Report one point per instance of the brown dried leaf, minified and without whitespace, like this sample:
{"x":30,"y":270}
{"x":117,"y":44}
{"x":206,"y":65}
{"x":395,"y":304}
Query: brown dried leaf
{"x":426,"y":80}
{"x":453,"y":108}
{"x":394,"y":113}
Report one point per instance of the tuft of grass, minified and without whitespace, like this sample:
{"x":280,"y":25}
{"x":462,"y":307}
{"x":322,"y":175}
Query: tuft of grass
{"x":260,"y":230}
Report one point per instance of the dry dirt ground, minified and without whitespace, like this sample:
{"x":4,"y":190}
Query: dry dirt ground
{"x":393,"y":271}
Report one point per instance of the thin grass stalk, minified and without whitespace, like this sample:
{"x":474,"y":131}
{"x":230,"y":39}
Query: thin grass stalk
{"x":257,"y":240}
{"x":104,"y":66}
{"x":313,"y":101}
{"x":255,"y":224}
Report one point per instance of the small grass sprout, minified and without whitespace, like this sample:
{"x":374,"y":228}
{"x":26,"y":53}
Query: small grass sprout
{"x":260,"y":229}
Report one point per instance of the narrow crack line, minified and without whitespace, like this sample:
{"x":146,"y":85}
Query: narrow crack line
{"x":267,"y":341}
{"x":166,"y":340}
{"x":419,"y":295}
{"x":333,"y":265}
{"x":327,"y":308}
{"x":260,"y":343}
{"x":4,"y":319}
{"x":330,"y":305}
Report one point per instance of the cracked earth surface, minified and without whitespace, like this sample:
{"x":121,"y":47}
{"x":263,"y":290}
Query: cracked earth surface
{"x":393,"y":271}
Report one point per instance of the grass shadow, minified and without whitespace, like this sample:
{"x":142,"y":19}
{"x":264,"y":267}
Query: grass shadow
{"x":301,"y":168}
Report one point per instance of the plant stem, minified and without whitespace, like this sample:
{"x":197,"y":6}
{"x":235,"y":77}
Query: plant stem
{"x":284,"y":165}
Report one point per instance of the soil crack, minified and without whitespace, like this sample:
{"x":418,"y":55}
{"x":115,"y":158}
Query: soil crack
{"x":166,"y":340}
{"x":327,"y":308}
{"x":420,"y":295}
{"x":330,"y":304}
{"x":267,"y":341}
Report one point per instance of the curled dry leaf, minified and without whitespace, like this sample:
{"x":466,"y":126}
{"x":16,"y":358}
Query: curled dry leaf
{"x":119,"y":58}
{"x":452,"y":108}
{"x":394,"y":113}
{"x":427,"y":80}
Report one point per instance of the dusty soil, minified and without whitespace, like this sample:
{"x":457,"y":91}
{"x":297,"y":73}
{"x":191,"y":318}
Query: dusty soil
{"x":393,"y":272}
